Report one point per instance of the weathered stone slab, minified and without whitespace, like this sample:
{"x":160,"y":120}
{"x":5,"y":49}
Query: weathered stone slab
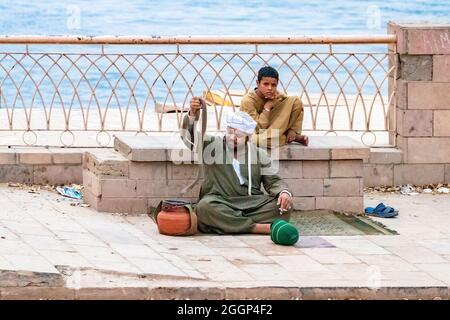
{"x":428,"y":95}
{"x":429,"y":150}
{"x":106,"y":162}
{"x":416,"y":67}
{"x":385,"y":155}
{"x":441,"y":68}
{"x":19,"y":278}
{"x":378,"y":175}
{"x":420,"y":174}
{"x":415,"y":123}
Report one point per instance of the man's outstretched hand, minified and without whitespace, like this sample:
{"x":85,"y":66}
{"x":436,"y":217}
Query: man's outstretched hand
{"x":292,"y":136}
{"x":284,"y":202}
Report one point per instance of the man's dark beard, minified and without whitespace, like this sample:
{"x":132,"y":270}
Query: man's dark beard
{"x":241,"y":147}
{"x":235,"y":146}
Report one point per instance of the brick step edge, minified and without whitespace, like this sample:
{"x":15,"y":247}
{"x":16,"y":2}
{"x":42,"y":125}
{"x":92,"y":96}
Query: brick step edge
{"x":221,"y":293}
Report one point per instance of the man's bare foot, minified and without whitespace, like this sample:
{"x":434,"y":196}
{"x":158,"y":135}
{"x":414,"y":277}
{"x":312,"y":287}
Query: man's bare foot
{"x":302,"y":139}
{"x":261,"y":228}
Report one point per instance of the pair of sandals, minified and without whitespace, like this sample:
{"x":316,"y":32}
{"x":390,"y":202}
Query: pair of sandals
{"x":381,"y":211}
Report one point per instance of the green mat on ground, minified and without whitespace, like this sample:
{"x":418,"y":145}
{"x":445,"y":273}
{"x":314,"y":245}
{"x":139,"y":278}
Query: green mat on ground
{"x":327,"y":223}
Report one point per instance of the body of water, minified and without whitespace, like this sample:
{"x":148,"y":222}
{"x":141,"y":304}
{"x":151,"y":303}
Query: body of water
{"x":210,"y":17}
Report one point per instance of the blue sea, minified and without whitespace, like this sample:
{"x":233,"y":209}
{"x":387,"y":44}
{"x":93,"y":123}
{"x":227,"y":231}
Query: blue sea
{"x":210,"y":17}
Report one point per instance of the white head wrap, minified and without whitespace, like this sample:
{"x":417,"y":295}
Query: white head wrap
{"x":242,"y":121}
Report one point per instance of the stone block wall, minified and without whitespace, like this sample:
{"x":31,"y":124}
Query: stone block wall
{"x":112,"y":183}
{"x":140,"y":172}
{"x":38,"y":165}
{"x":422,"y":115}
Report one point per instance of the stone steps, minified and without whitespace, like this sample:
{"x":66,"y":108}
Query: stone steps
{"x":218,"y":292}
{"x":141,"y":171}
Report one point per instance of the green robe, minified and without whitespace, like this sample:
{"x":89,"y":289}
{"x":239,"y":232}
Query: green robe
{"x":225,"y":206}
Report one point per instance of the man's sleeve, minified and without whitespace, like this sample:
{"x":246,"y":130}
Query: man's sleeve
{"x":297,"y":115}
{"x":248,"y":105}
{"x":272,"y":182}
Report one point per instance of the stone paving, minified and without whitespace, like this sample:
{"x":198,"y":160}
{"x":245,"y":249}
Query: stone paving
{"x":50,"y":247}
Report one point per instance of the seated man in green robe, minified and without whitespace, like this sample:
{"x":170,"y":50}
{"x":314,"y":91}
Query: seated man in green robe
{"x":279,"y":117}
{"x":231,"y":199}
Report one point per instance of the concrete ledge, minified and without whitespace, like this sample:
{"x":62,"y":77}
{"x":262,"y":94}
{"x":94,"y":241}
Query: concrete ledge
{"x":39,"y":165}
{"x":298,"y":162}
{"x":385,"y":156}
{"x":139,"y":293}
{"x":229,"y":293}
{"x":36,"y":293}
{"x":365,"y":293}
{"x":141,"y":171}
{"x":171,"y":148}
{"x":17,"y":278}
{"x":154,"y":148}
{"x":106,"y":162}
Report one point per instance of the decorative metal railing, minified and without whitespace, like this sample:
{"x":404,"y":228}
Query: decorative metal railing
{"x":50,"y":96}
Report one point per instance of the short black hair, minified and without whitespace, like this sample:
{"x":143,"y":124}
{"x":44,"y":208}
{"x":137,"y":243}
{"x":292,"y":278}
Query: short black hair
{"x":267,"y":71}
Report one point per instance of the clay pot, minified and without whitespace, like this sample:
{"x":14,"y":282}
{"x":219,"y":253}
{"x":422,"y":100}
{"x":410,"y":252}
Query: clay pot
{"x":173,"y":221}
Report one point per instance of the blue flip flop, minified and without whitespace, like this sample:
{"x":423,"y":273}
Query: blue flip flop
{"x":69,"y":192}
{"x":381,"y":211}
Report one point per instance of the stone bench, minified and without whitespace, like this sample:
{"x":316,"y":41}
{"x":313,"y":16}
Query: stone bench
{"x":140,"y":171}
